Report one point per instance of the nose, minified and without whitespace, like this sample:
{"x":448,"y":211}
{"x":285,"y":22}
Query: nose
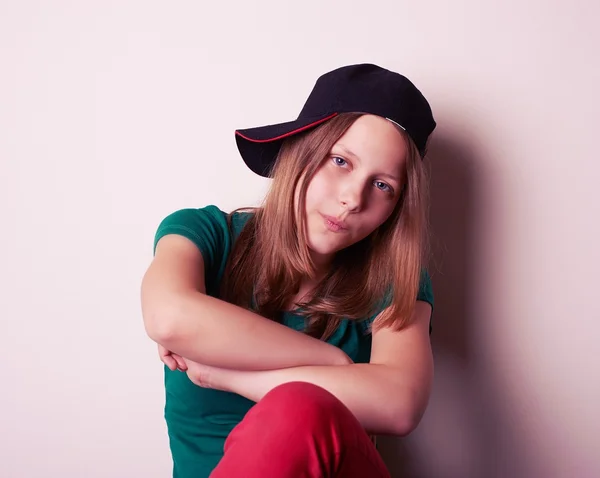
{"x":351,"y":195}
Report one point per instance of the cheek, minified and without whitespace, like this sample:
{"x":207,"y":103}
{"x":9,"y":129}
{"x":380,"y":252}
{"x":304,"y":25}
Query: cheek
{"x":376,"y":218}
{"x":317,"y":190}
{"x":386,"y":211}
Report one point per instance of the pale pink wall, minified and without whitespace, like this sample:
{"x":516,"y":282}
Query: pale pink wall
{"x":112,"y":114}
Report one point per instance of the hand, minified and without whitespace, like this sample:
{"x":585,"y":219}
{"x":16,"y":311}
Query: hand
{"x":207,"y":376}
{"x":171,"y":360}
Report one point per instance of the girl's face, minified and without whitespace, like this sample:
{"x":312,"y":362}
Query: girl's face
{"x":356,"y":188}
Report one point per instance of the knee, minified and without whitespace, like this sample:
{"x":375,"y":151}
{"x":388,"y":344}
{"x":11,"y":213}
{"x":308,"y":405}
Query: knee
{"x":303,"y":406}
{"x":300,"y":394}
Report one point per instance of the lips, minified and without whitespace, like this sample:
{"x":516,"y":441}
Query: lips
{"x":334,"y":224}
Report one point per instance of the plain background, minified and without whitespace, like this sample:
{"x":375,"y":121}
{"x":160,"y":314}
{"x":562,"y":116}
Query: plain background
{"x":114,"y":114}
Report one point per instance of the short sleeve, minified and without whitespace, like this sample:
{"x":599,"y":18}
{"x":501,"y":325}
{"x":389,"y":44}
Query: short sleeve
{"x":207,"y":228}
{"x":425,"y":288}
{"x":426,"y":293}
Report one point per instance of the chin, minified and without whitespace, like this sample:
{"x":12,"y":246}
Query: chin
{"x":327,"y":243}
{"x":324,"y":247}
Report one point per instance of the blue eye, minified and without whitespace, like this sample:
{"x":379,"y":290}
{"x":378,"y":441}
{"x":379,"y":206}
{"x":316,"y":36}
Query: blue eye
{"x":339,"y":161}
{"x":382,"y":186}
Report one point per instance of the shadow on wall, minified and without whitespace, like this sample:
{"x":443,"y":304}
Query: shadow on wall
{"x":461,"y":434}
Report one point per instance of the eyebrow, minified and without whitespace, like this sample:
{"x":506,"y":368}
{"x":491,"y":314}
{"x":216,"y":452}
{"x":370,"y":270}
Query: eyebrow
{"x":354,"y":156}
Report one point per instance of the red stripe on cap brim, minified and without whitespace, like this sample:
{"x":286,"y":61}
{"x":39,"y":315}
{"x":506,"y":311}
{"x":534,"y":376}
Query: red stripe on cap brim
{"x":290,"y":133}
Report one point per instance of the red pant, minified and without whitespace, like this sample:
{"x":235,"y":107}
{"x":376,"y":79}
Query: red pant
{"x":299,"y":430}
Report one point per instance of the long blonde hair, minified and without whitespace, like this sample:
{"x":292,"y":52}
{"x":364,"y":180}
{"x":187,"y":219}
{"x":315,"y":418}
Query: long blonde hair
{"x":271,"y":257}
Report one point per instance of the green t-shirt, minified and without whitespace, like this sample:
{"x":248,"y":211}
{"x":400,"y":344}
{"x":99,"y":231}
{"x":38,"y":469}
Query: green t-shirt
{"x":200,"y":419}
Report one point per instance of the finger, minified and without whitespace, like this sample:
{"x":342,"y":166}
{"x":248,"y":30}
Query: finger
{"x":180,"y":362}
{"x":165,"y":357}
{"x":169,"y":362}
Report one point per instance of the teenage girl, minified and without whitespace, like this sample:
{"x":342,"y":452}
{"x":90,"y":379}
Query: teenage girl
{"x":292,"y":332}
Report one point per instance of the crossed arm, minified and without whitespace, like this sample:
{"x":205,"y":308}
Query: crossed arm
{"x":235,"y":350}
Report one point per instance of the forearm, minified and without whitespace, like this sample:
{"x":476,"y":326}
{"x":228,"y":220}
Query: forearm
{"x":374,"y":393}
{"x":215,"y":333}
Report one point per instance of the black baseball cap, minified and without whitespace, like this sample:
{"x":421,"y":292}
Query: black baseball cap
{"x":363,"y":88}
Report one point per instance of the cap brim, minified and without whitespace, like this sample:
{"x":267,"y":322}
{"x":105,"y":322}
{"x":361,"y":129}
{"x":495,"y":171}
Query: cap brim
{"x":259,"y":146}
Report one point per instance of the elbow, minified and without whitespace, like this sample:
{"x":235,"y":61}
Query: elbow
{"x":404,"y":425}
{"x":169,"y":320}
{"x":163,"y":312}
{"x":405,"y":419}
{"x":159,"y":326}
{"x":161,"y":321}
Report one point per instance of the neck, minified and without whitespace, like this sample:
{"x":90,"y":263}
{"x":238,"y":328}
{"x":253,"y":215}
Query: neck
{"x":322,"y":264}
